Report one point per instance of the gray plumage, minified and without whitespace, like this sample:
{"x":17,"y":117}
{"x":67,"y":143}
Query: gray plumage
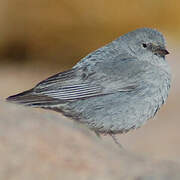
{"x":113,"y":89}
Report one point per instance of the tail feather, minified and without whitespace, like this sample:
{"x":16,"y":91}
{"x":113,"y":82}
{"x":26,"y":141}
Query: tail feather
{"x":28,"y":98}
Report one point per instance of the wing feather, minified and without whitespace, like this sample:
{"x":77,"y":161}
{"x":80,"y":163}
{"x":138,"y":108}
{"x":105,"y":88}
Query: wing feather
{"x":70,"y":85}
{"x":73,"y":92}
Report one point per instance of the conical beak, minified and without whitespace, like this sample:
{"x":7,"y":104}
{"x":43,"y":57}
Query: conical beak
{"x":161,"y":51}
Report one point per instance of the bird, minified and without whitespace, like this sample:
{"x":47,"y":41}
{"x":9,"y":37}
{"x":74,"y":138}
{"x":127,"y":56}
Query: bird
{"x":112,"y":90}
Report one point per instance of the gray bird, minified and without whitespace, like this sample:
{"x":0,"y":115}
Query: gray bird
{"x":113,"y":89}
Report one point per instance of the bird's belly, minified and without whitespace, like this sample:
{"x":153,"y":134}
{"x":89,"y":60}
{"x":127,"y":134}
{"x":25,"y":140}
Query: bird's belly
{"x":116,"y":113}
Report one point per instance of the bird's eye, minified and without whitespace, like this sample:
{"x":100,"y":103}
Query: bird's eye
{"x":144,"y":45}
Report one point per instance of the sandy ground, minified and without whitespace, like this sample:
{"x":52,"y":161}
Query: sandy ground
{"x":39,"y":144}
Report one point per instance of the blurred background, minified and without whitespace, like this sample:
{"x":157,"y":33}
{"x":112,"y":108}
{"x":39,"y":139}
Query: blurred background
{"x":39,"y":38}
{"x":58,"y":33}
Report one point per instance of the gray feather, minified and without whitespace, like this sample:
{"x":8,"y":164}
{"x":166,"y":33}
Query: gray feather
{"x":113,"y":89}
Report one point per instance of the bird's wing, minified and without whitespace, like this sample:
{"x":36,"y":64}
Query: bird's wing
{"x":69,"y":85}
{"x":62,"y":87}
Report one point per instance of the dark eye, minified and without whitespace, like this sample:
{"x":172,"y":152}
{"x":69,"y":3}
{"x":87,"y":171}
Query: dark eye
{"x":144,"y":45}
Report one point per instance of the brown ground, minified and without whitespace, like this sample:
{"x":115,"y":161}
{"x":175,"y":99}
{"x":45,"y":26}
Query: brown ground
{"x":39,"y":144}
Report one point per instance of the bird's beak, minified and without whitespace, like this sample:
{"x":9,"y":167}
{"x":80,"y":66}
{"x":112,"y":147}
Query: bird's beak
{"x":161,"y":51}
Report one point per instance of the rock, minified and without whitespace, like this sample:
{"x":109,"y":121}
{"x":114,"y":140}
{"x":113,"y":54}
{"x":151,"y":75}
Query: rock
{"x":39,"y":144}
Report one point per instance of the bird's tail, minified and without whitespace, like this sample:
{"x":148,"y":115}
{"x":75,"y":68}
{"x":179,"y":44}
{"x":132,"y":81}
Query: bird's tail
{"x":28,"y":98}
